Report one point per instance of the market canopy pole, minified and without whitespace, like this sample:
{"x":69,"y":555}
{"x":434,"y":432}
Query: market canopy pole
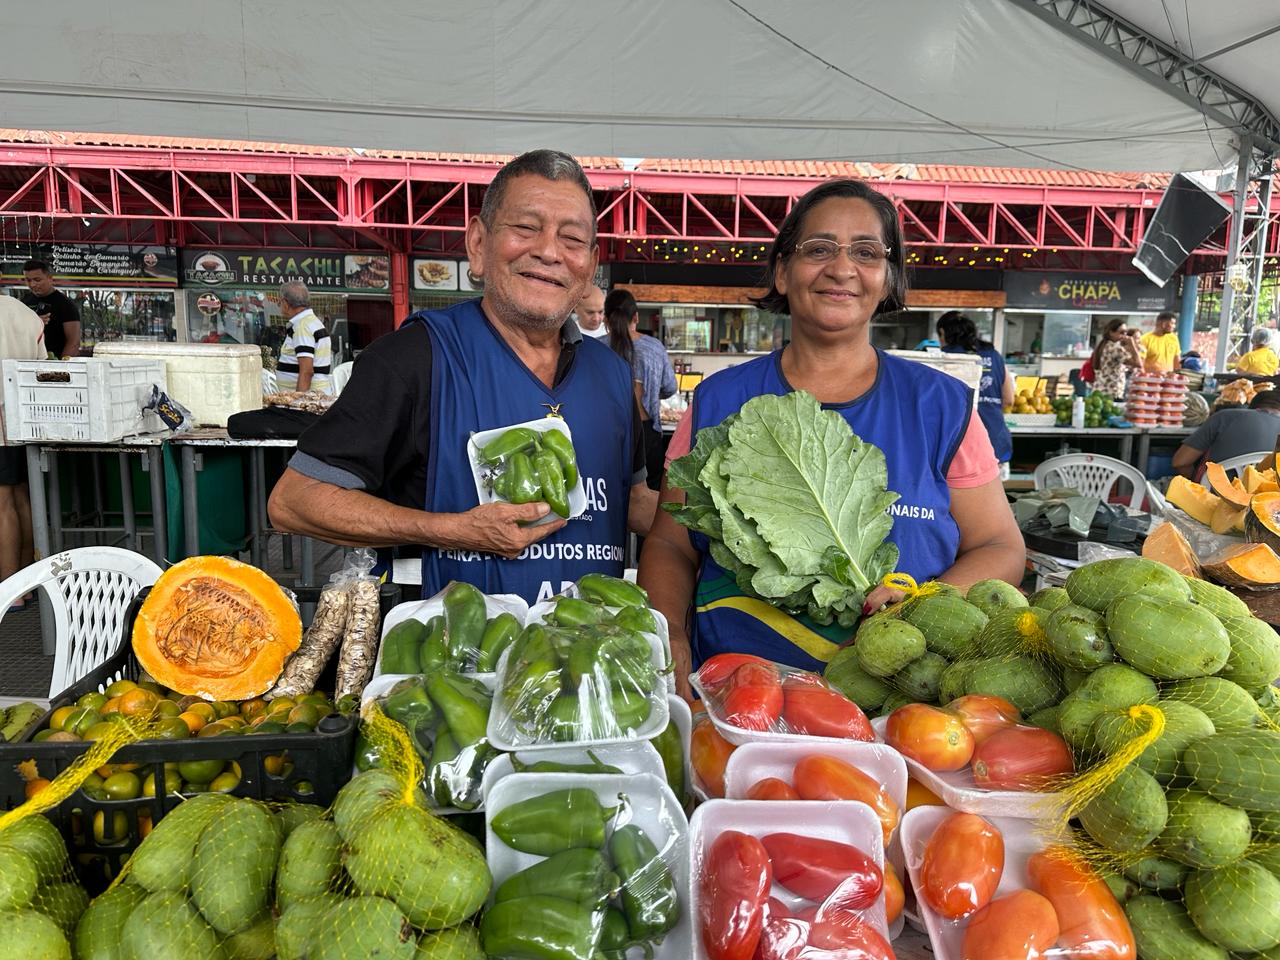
{"x":1246,"y":248}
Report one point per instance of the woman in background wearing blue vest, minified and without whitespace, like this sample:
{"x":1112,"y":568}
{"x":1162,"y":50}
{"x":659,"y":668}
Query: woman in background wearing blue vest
{"x":836,"y":263}
{"x":958,"y":335}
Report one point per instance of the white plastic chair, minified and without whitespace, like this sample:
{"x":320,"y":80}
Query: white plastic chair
{"x":1093,"y":475}
{"x":1234,"y":466}
{"x":341,"y":374}
{"x":89,"y":588}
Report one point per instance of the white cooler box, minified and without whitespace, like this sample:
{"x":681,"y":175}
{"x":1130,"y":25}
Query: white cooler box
{"x":91,"y":399}
{"x":212,"y":380}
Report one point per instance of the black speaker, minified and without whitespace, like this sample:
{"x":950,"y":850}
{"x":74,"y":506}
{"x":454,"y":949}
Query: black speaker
{"x":1187,"y":215}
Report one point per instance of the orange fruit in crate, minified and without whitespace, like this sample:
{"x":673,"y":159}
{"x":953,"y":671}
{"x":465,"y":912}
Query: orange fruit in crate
{"x":194,"y":721}
{"x":144,"y":822}
{"x":138,"y":702}
{"x":35,"y":786}
{"x":59,"y":717}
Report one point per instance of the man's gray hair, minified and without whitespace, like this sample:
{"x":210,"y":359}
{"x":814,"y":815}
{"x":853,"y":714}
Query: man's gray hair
{"x":1260,"y":337}
{"x":548,"y":164}
{"x":295,"y":294}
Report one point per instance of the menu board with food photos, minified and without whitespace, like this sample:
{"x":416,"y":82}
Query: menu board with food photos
{"x":435,"y":274}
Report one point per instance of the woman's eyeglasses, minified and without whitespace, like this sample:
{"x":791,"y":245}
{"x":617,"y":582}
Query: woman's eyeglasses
{"x":864,"y":253}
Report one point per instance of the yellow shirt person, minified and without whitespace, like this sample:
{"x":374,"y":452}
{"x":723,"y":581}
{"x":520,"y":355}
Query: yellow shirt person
{"x":1261,"y":360}
{"x":1161,"y":350}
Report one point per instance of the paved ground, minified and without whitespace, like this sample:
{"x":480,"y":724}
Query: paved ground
{"x":25,"y":670}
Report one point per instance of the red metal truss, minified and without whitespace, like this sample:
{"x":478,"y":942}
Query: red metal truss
{"x":197,"y":197}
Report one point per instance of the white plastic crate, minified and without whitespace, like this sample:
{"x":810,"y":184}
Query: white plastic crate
{"x":90,"y":400}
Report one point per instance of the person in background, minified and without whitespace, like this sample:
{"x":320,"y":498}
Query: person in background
{"x":1161,"y":349}
{"x":654,"y":377}
{"x":1261,"y":360}
{"x":1231,"y":433}
{"x":57,"y":310}
{"x":305,"y":357}
{"x":590,"y":314}
{"x":22,"y":335}
{"x":957,"y":334}
{"x":1114,"y":356}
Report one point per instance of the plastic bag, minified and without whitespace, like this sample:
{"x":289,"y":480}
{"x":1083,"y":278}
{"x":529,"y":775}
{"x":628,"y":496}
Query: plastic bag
{"x":327,"y":630}
{"x":749,"y":698}
{"x":459,"y":629}
{"x":360,"y":635}
{"x":593,"y":864}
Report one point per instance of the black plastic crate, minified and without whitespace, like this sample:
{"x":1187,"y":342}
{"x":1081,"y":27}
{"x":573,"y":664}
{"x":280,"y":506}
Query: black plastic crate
{"x":323,"y":758}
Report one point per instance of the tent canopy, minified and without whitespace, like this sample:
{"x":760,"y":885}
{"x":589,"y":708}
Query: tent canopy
{"x":985,"y":82}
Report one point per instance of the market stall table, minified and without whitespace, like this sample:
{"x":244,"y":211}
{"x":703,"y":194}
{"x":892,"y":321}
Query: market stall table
{"x":1124,"y":436}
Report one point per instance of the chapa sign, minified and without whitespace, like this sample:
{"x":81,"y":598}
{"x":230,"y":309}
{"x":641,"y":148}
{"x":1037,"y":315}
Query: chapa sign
{"x":1102,"y":292}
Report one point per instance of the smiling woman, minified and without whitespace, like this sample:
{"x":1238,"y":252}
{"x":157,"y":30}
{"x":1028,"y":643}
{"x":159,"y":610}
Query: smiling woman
{"x":837,"y":262}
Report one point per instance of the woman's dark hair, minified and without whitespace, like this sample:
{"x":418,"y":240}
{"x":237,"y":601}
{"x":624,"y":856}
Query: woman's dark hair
{"x":784,"y":244}
{"x":1114,"y":324}
{"x":619,"y":310}
{"x":1265,"y":400}
{"x":958,"y":331}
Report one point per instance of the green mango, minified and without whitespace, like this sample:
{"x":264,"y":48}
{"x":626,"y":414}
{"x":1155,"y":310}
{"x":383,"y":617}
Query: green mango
{"x":163,"y":860}
{"x":1128,"y":814}
{"x":949,"y":623}
{"x":1163,"y":931}
{"x":1254,"y":661}
{"x":1078,"y":638}
{"x":1236,"y":906}
{"x":885,"y":645}
{"x":921,"y":679}
{"x":97,"y":935}
{"x":992,"y":596}
{"x":845,"y":674}
{"x":310,"y":862}
{"x":1157,"y":873}
{"x":1167,"y":639}
{"x":1049,"y":598}
{"x":1219,"y":601}
{"x":297,"y":925}
{"x":1096,"y":585}
{"x":1183,"y":725}
{"x":1239,"y":767}
{"x":29,"y":935}
{"x":363,"y":927}
{"x":234,"y":862}
{"x":167,"y":925}
{"x":1201,"y":832}
{"x":1228,"y":705}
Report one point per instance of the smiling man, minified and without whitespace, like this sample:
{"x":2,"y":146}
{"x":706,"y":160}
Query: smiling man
{"x":387,"y":465}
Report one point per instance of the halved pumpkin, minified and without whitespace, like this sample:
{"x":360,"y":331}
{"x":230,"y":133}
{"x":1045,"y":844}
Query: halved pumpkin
{"x":216,"y":628}
{"x":1262,"y":522}
{"x":1251,"y":566}
{"x":1227,"y":517}
{"x":1167,"y":545}
{"x":1223,"y":487}
{"x":1192,"y":498}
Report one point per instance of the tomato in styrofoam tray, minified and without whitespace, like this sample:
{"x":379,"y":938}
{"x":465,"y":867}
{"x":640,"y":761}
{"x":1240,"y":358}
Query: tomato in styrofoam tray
{"x":983,"y":899}
{"x":747,"y":693}
{"x":708,"y":755}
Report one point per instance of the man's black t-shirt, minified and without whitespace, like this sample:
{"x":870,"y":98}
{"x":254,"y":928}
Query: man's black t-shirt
{"x":376,"y":436}
{"x":61,"y":310}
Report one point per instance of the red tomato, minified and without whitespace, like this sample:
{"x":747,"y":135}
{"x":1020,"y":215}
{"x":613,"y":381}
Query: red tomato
{"x":828,"y":778}
{"x":811,"y":707}
{"x":984,"y":714}
{"x":708,"y":754}
{"x":717,"y":670}
{"x":1092,"y":922}
{"x":935,"y":738}
{"x":775,"y":909}
{"x":1021,"y":758}
{"x":894,"y":897}
{"x":1020,"y":926}
{"x":771,"y":788}
{"x":733,"y":890}
{"x":783,"y":938}
{"x":753,"y":697}
{"x":848,"y":936}
{"x":815,"y":869}
{"x":962,"y":864}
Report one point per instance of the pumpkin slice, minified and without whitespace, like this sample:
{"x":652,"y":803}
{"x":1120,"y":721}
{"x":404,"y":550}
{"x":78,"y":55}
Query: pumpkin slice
{"x":1267,"y":486}
{"x":1252,"y":479}
{"x":1251,"y":566}
{"x":1167,"y":545}
{"x":1226,"y":517}
{"x":1193,"y":499}
{"x":216,"y":628}
{"x":1262,"y":522}
{"x":1223,"y":486}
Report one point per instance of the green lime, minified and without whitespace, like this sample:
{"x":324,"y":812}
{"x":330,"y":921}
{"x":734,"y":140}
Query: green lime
{"x":93,"y":699}
{"x":122,"y":786}
{"x":224,"y":782}
{"x":201,"y":771}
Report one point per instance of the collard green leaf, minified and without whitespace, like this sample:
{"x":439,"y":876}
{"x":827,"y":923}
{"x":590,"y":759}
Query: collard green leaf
{"x":809,"y":484}
{"x":698,"y":512}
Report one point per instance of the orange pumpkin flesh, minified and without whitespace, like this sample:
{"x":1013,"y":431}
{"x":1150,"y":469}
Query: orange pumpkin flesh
{"x":216,"y":628}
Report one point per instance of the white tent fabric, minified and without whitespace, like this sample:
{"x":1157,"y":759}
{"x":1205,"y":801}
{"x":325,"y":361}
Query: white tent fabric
{"x":949,"y":81}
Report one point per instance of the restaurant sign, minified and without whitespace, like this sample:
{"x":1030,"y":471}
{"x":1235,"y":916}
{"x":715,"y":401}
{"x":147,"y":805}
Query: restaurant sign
{"x":94,"y":264}
{"x":1097,"y":292}
{"x":319,"y":270}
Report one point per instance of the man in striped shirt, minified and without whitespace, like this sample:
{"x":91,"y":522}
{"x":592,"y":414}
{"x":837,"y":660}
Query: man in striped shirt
{"x":305,"y":357}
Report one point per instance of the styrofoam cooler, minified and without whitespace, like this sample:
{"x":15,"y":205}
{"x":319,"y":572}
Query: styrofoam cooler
{"x":212,"y":380}
{"x":85,"y":399}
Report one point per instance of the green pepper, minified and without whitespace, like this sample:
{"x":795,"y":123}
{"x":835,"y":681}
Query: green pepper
{"x":464,"y":617}
{"x":439,"y":768}
{"x":408,"y":703}
{"x":368,"y":756}
{"x":555,"y":821}
{"x":572,"y":612}
{"x":649,"y":896}
{"x":612,"y":591}
{"x":552,"y":766}
{"x":562,"y":447}
{"x":500,"y":483}
{"x":563,"y":721}
{"x":434,"y":654}
{"x":466,"y":711}
{"x":580,"y":874}
{"x":551,"y":477}
{"x":400,"y":647}
{"x":506,"y":445}
{"x":615,"y":937}
{"x":630,"y":710}
{"x":522,"y":482}
{"x":541,"y":928}
{"x":584,"y":661}
{"x":499,"y":633}
{"x":639,"y":619}
{"x":671,"y":749}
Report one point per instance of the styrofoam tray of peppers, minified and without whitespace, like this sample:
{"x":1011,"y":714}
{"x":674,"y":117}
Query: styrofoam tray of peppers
{"x":975,"y":755}
{"x":750,"y":699}
{"x":792,"y":879}
{"x":999,"y":887}
{"x":574,"y":610}
{"x":528,"y":462}
{"x":584,"y":865}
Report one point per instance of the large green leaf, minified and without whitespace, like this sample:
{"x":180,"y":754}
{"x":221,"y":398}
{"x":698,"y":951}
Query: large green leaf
{"x":698,"y":512}
{"x":810,"y":485}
